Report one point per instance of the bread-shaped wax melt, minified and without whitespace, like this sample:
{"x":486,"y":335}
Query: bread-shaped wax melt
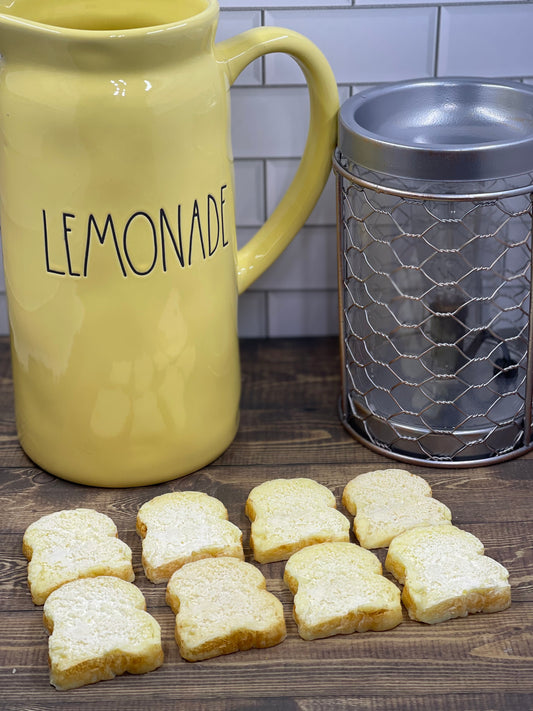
{"x":71,"y":544}
{"x":388,"y":502}
{"x":289,"y":514}
{"x":99,"y":629}
{"x":339,"y":589}
{"x":446,"y":574}
{"x":222,"y":606}
{"x":181,"y":527}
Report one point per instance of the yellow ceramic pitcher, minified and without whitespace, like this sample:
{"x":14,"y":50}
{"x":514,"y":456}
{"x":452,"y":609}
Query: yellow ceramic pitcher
{"x":118,"y":228}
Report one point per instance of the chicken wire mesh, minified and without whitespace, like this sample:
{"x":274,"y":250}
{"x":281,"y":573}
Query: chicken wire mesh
{"x":435,"y":317}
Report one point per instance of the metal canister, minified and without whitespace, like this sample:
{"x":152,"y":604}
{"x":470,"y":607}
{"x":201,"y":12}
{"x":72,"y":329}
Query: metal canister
{"x":434,"y":218}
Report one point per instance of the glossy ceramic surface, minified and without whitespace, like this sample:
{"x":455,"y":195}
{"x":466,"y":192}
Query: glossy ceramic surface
{"x":118,"y":230}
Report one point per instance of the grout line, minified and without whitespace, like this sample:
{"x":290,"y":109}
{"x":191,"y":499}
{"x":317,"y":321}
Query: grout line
{"x":266,"y":308}
{"x":437,"y":42}
{"x":263,"y":58}
{"x":376,"y":6}
{"x":302,"y":290}
{"x":265,"y":190}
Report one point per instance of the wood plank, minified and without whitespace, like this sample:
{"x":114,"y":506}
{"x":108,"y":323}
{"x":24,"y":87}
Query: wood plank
{"x":297,"y":669}
{"x":472,"y":494}
{"x":362,"y":702}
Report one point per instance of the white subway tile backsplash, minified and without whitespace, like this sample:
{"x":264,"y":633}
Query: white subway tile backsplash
{"x":233,"y":23}
{"x":269,"y":121}
{"x":249,"y":192}
{"x":486,"y":41}
{"x":361,"y":44}
{"x":413,"y":2}
{"x":302,"y":313}
{"x":279,"y":175}
{"x":309,"y":262}
{"x":305,"y":4}
{"x":252,"y":315}
{"x":244,"y":235}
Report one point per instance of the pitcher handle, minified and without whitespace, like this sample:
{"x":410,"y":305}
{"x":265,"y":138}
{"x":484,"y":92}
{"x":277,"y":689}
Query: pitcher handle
{"x":315,"y":165}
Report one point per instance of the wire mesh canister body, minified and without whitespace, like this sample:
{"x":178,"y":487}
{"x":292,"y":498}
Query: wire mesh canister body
{"x":434,"y":214}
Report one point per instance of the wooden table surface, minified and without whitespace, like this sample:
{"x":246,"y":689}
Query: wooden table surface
{"x":289,"y":427}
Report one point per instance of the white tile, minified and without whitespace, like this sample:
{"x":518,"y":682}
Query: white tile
{"x":309,"y":262}
{"x":268,"y":122}
{"x":302,"y":313}
{"x":249,"y":192}
{"x":410,"y":2}
{"x":271,"y":122}
{"x":279,"y":3}
{"x":486,"y":41}
{"x":244,"y":235}
{"x":279,"y":175}
{"x":252,"y":315}
{"x":361,"y":44}
{"x":233,"y":23}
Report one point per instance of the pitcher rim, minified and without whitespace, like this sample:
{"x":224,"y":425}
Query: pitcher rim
{"x":209,"y":12}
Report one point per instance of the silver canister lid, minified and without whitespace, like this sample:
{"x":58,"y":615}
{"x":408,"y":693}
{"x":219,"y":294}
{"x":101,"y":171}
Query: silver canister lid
{"x":449,"y":129}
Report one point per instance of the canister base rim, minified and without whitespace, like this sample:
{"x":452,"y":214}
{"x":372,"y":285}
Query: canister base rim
{"x":459,"y":463}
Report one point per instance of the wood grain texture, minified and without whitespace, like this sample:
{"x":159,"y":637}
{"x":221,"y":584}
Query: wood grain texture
{"x":289,"y":427}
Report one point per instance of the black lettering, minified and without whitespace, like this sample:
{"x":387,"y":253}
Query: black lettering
{"x":163,"y":221}
{"x":66,"y":230}
{"x":196,"y":219}
{"x":222,"y":203}
{"x":47,"y":258}
{"x":208,"y":228}
{"x":125,"y":245}
{"x":101,"y":238}
{"x":212,"y":203}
